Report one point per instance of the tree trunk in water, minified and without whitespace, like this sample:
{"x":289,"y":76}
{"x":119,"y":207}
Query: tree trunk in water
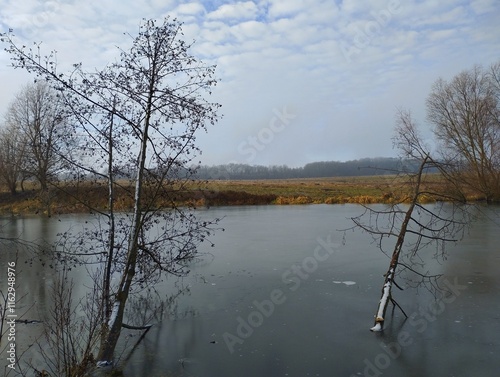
{"x":389,"y":276}
{"x":106,"y":294}
{"x":112,"y":329}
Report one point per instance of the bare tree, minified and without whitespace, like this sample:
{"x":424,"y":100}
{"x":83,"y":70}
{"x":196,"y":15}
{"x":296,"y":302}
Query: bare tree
{"x":413,"y":225}
{"x":143,"y":111}
{"x":37,"y":113}
{"x":465,"y":112}
{"x":72,"y":330}
{"x":12,"y":156}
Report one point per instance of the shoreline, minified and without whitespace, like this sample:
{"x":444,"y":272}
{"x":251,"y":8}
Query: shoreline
{"x":92,"y":197}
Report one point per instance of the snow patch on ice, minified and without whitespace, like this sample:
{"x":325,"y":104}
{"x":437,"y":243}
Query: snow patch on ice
{"x":347,"y":282}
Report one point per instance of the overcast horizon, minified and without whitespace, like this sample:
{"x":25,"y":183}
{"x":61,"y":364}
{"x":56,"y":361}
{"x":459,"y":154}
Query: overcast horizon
{"x":300,"y":81}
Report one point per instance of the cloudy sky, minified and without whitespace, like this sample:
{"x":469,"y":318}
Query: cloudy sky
{"x":300,"y":80}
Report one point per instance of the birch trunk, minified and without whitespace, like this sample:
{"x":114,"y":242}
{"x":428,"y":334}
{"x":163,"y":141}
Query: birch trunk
{"x":115,"y":322}
{"x":106,"y":294}
{"x":389,"y":276}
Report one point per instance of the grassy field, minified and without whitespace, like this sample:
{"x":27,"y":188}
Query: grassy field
{"x":367,"y":189}
{"x":363,"y":190}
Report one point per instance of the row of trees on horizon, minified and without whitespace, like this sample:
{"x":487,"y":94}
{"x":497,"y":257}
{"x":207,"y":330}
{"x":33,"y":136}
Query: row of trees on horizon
{"x":319,"y":169}
{"x":35,"y":143}
{"x":34,"y":140}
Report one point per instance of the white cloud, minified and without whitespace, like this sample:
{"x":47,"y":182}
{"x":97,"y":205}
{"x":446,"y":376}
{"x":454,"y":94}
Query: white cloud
{"x":484,"y":6}
{"x":441,"y":34}
{"x":249,"y":30}
{"x":159,"y":4}
{"x":240,"y":10}
{"x":282,"y":8}
{"x":275,"y":53}
{"x":215,"y":32}
{"x":457,"y":15}
{"x":349,"y":7}
{"x":190,"y":9}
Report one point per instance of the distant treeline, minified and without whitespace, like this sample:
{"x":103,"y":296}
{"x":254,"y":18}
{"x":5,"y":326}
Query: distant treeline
{"x":365,"y":166}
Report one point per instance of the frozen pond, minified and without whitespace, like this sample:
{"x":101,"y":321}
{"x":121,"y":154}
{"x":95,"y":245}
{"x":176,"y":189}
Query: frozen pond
{"x":284,"y":293}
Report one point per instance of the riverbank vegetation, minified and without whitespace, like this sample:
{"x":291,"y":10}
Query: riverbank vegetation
{"x":83,"y":197}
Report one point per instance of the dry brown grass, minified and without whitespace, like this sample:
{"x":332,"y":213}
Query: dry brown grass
{"x":337,"y":190}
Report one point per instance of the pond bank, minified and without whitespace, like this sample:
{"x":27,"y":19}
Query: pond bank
{"x":68,"y":198}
